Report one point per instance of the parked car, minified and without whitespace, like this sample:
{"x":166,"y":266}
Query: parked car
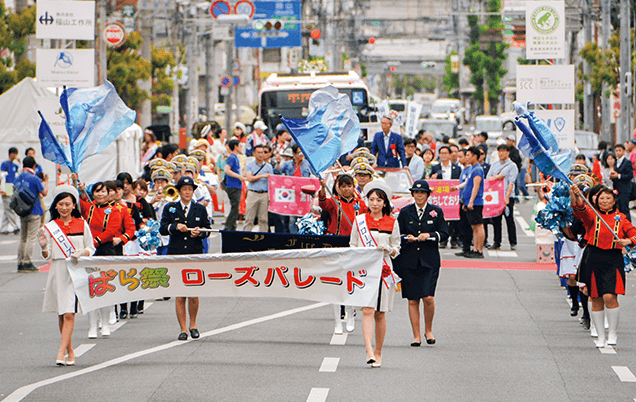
{"x":492,"y":125}
{"x":439,"y":128}
{"x":448,"y":109}
{"x":586,"y":143}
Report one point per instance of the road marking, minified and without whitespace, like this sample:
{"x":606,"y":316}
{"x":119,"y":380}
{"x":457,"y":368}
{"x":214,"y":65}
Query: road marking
{"x":329,"y":365}
{"x":83,"y":348}
{"x":117,"y":325}
{"x":607,"y":350}
{"x":524,"y":226}
{"x":339,"y":339}
{"x":8,"y":257}
{"x":8,"y":241}
{"x":22,"y":392}
{"x":624,"y":374}
{"x":318,"y":395}
{"x":499,"y":253}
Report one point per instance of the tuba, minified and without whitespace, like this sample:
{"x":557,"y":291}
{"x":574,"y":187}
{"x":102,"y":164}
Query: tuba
{"x":170,"y":193}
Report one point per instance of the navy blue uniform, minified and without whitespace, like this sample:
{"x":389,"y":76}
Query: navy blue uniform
{"x":182,"y":242}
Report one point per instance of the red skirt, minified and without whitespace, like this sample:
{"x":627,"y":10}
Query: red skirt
{"x":602,"y":271}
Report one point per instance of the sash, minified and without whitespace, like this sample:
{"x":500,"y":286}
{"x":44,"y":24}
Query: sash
{"x":60,"y":238}
{"x":369,"y":241}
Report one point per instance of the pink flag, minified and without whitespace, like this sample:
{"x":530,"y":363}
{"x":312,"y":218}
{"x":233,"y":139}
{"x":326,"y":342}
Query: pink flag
{"x":494,"y":198}
{"x":286,"y":197}
{"x":444,"y":198}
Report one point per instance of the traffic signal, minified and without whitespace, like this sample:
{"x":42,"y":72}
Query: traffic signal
{"x":315,"y":35}
{"x":392,"y":69}
{"x":268,"y":25}
{"x":364,"y":41}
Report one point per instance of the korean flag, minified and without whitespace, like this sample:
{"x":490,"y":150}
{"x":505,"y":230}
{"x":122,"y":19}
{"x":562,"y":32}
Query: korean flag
{"x":285,"y":195}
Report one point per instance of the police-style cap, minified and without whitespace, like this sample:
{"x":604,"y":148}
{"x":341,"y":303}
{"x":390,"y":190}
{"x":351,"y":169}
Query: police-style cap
{"x":199,"y":154}
{"x":190,"y":167}
{"x":363,"y":168}
{"x":193,"y":160}
{"x":179,"y":159}
{"x":578,"y":169}
{"x":421,"y":185}
{"x":163,"y":174}
{"x":158,"y":163}
{"x":185,"y":181}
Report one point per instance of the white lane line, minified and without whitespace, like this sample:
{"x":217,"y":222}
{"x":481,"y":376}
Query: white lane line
{"x":117,"y":325}
{"x":8,"y":257}
{"x":318,"y":395}
{"x":339,"y":340}
{"x":499,"y":253}
{"x":22,"y":392}
{"x":83,"y":348}
{"x":8,"y":241}
{"x":524,"y":226}
{"x":624,"y":374}
{"x":607,"y":350}
{"x":329,"y":365}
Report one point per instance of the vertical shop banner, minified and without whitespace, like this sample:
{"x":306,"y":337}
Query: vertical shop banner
{"x":286,"y":197}
{"x":545,"y":30}
{"x":443,"y":197}
{"x":349,"y":276}
{"x":412,"y":117}
{"x":494,"y":198}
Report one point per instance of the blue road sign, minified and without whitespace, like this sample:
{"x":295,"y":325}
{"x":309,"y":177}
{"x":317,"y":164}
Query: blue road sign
{"x":288,"y":36}
{"x":226,"y":81}
{"x":236,"y":81}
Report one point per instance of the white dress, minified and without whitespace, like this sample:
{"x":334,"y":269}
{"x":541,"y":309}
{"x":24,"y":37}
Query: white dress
{"x":380,"y":233}
{"x":59,"y":296}
{"x":571,"y":255}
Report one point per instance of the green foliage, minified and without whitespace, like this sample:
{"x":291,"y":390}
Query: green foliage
{"x":163,"y":68}
{"x":125,"y":68}
{"x":363,"y":69}
{"x":413,"y":83}
{"x":487,"y":63}
{"x":14,"y":31}
{"x":451,"y":80}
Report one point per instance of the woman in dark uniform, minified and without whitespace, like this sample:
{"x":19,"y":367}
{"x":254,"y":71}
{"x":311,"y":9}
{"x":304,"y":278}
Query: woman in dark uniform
{"x":602,"y":268}
{"x":423,"y":228}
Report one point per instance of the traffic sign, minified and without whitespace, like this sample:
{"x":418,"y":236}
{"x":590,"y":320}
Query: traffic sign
{"x":236,"y":81}
{"x":236,"y":66}
{"x":226,"y":81}
{"x":244,"y":7}
{"x":114,"y":34}
{"x":273,"y":26}
{"x":220,"y":7}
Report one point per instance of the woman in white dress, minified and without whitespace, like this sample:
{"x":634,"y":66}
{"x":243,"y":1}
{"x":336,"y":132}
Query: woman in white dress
{"x":66,"y":235}
{"x":386,"y":235}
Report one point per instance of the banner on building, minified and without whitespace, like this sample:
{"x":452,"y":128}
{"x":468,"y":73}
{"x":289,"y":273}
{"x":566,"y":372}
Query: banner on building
{"x":65,"y":20}
{"x":338,"y":276}
{"x":74,"y":68}
{"x":286,"y":197}
{"x":546,"y":84}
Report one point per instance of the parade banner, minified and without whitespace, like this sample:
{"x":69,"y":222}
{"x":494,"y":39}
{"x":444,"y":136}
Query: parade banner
{"x":412,"y":117}
{"x":286,"y":197}
{"x":494,"y":198}
{"x":444,"y":198}
{"x":338,"y":276}
{"x":247,"y":242}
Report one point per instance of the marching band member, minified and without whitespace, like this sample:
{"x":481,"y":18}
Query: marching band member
{"x":181,"y":221}
{"x":160,"y":179}
{"x":385,"y":235}
{"x":66,"y":235}
{"x":363,"y":173}
{"x":602,"y":267}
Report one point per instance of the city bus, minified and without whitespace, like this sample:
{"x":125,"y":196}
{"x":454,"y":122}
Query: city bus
{"x":288,"y":95}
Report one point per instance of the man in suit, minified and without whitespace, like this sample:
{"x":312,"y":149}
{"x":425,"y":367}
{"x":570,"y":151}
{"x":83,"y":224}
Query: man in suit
{"x":423,"y":228}
{"x":182,"y":221}
{"x":622,"y":179}
{"x":388,"y":147}
{"x":447,"y":170}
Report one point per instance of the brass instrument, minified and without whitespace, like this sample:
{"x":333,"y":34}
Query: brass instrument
{"x":170,"y":193}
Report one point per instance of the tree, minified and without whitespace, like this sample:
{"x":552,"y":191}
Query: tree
{"x":163,"y":66}
{"x":451,"y":79}
{"x":125,"y":68}
{"x":14,"y":31}
{"x":410,"y":84}
{"x":486,"y":64}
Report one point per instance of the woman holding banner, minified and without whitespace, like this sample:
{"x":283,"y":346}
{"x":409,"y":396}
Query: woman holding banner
{"x":377,"y":228}
{"x":67,"y":235}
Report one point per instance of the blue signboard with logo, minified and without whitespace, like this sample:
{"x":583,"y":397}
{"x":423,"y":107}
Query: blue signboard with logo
{"x":271,"y":26}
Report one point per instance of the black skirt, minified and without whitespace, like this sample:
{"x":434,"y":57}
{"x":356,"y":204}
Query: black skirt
{"x":418,"y":283}
{"x":602,"y":271}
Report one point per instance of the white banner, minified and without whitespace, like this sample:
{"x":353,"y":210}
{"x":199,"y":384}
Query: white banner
{"x":545,"y":30}
{"x":71,"y":67}
{"x":54,"y":115}
{"x":412,"y":116}
{"x":562,"y":124}
{"x":65,"y":20}
{"x":349,"y":276}
{"x":546,"y":84}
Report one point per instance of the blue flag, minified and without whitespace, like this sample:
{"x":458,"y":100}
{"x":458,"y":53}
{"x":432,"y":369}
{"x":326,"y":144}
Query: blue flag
{"x":332,"y":128}
{"x":51,"y":147}
{"x":538,"y":143}
{"x":94,"y":119}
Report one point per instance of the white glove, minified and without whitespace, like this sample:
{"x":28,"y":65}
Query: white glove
{"x":44,"y":243}
{"x":386,"y":248}
{"x":76,"y":255}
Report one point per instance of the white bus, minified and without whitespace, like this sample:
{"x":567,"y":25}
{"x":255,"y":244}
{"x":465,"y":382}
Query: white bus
{"x":288,"y":95}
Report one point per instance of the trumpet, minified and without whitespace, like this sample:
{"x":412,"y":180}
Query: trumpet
{"x":170,"y":193}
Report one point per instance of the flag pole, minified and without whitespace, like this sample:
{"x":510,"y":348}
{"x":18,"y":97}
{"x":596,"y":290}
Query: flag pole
{"x":313,"y":168}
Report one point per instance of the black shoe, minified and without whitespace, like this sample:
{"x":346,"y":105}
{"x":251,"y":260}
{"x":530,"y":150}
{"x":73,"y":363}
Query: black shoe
{"x":194,"y":333}
{"x":495,"y":246}
{"x":28,"y":268}
{"x":454,"y":245}
{"x":183,"y":336}
{"x":586,"y":323}
{"x":486,"y":245}
{"x":416,"y":344}
{"x":431,"y":341}
{"x":123,"y":314}
{"x":574,"y":311}
{"x":462,"y":253}
{"x":475,"y":254}
{"x":513,"y":247}
{"x":443,"y":245}
{"x":133,"y":315}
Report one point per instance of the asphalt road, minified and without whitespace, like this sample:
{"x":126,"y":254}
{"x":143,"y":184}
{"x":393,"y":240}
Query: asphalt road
{"x":502,"y":335}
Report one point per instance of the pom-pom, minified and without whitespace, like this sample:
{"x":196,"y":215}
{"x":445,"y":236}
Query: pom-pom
{"x":148,"y":236}
{"x":558,"y":211}
{"x":310,"y":225}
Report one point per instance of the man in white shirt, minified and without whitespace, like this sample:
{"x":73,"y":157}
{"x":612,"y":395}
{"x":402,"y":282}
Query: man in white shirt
{"x":413,"y":161}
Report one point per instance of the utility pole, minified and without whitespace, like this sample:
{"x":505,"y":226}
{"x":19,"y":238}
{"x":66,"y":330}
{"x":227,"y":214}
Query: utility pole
{"x":174,"y":48}
{"x":605,"y":102}
{"x":145,"y":114}
{"x":230,"y":89}
{"x":210,"y":76}
{"x":192,"y":106}
{"x":626,"y":75}
{"x":588,"y":100}
{"x":103,"y":62}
